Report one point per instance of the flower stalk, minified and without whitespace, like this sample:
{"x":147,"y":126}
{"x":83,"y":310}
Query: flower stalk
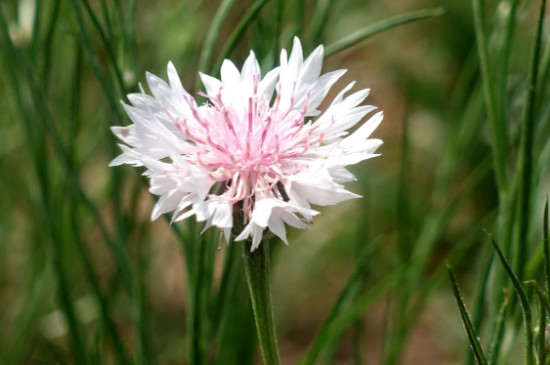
{"x":256,"y":264}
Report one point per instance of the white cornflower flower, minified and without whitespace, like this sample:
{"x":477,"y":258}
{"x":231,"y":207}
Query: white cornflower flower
{"x":244,"y":158}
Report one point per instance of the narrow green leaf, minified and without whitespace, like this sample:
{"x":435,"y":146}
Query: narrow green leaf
{"x":319,"y":20}
{"x":503,"y":61}
{"x":381,"y":26}
{"x":543,"y":308}
{"x":542,"y":331}
{"x":238,"y":31}
{"x":526,"y":309}
{"x":65,"y":297}
{"x":546,"y":247}
{"x":498,"y":132}
{"x":106,"y":44}
{"x":357,"y":309}
{"x":213,"y":35}
{"x":498,"y":332}
{"x":277,"y":31}
{"x":481,"y":294}
{"x":322,"y":337}
{"x":227,"y":282}
{"x":402,"y":207}
{"x":101,"y":300}
{"x":103,"y":306}
{"x":139,"y":296}
{"x":47,"y":45}
{"x":470,"y":330}
{"x":525,"y":159}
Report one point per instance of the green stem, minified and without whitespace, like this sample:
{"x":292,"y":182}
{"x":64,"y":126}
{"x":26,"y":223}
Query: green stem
{"x":256,"y":266}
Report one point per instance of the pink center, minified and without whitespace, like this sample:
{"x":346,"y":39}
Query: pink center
{"x":252,"y":151}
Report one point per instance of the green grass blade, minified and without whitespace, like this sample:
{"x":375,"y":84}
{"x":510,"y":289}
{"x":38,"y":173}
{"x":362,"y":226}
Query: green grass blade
{"x":480,"y":296}
{"x":131,"y":33}
{"x":65,"y":297}
{"x":381,"y":26}
{"x":103,"y":306}
{"x":403,"y":201}
{"x":542,"y":333}
{"x":143,"y":350}
{"x":342,"y":316}
{"x":503,"y":60}
{"x":213,"y":35}
{"x":357,"y":309}
{"x":470,"y":330}
{"x":47,"y":45}
{"x":277,"y":31}
{"x":525,"y":159}
{"x":543,"y":307}
{"x":197,"y":346}
{"x":94,"y":62}
{"x":498,"y":131}
{"x":526,"y":309}
{"x":498,"y":332}
{"x":322,"y":337}
{"x":227,"y":282}
{"x":457,"y":254}
{"x":545,"y":246}
{"x":319,"y":20}
{"x":106,"y":18}
{"x":237,"y":32}
{"x":106,"y":44}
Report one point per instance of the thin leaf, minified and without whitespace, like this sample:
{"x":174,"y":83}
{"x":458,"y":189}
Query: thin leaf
{"x":381,"y":26}
{"x":238,"y":31}
{"x":525,"y":159}
{"x":527,"y":314}
{"x":498,"y":132}
{"x":545,"y":245}
{"x":213,"y":34}
{"x":543,"y":308}
{"x":481,"y":295}
{"x":542,"y":330}
{"x":319,"y":20}
{"x":470,"y":330}
{"x":498,"y":332}
{"x":322,"y":337}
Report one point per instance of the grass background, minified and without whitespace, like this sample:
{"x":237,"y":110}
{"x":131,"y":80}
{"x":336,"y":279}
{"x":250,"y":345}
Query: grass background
{"x":85,"y":277}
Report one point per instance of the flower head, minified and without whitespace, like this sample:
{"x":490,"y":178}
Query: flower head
{"x":257,"y":153}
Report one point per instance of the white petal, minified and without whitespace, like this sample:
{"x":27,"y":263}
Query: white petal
{"x":295,"y":61}
{"x":257,"y":234}
{"x":267,"y":85}
{"x":277,"y":226}
{"x":262,"y":211}
{"x":318,"y":188}
{"x":231,"y":77}
{"x":223,"y":217}
{"x":160,"y":89}
{"x":312,"y":66}
{"x":365,"y":130}
{"x":320,"y":89}
{"x":175,"y":82}
{"x":251,"y":68}
{"x":166,"y":203}
{"x":211,"y":84}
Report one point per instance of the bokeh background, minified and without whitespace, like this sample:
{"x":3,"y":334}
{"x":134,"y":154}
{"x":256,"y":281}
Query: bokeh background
{"x":85,"y":277}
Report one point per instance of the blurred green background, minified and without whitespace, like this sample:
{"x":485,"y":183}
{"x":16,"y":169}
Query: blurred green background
{"x":85,"y":277}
